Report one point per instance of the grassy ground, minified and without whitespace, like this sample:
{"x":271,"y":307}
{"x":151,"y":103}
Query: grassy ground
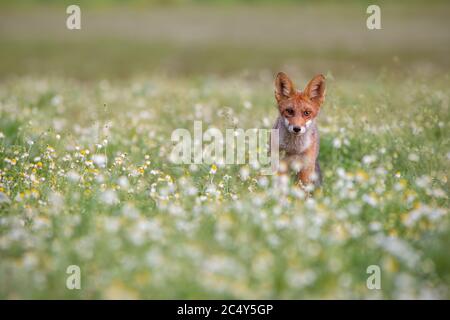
{"x":85,"y":176}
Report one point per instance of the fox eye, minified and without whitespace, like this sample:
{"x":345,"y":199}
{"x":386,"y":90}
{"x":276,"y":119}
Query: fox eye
{"x":306,"y":113}
{"x":290,"y":111}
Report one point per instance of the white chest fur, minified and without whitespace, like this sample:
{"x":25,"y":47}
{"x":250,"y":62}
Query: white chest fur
{"x":292,"y":143}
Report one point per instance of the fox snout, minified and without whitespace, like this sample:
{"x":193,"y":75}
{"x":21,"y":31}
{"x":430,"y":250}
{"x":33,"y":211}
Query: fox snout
{"x":297,"y":128}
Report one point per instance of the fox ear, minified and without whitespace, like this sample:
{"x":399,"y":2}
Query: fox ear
{"x":315,"y":90}
{"x":284,"y":88}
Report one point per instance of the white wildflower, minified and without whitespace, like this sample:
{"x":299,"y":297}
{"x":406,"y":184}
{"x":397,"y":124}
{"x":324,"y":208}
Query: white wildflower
{"x":244,"y":173}
{"x":123,"y":182}
{"x":423,"y":181}
{"x":109,"y":197}
{"x":73,"y":176}
{"x":337,"y":143}
{"x":369,"y":200}
{"x":4,"y":198}
{"x":413,"y":157}
{"x":368,"y":159}
{"x":99,"y":160}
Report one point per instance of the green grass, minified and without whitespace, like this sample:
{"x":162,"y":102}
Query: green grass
{"x":166,"y":236}
{"x":126,"y":59}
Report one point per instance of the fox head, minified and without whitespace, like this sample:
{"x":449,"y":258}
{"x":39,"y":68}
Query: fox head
{"x":299,"y":108}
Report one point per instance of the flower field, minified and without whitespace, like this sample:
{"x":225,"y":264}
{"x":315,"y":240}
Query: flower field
{"x":86,"y":180}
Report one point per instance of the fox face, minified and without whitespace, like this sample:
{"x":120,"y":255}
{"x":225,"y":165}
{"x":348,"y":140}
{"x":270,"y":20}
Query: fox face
{"x":299,"y":108}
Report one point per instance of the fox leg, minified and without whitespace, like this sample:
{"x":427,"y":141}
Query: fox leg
{"x":310,"y":169}
{"x":306,"y":174}
{"x":310,"y":174}
{"x":318,"y":176}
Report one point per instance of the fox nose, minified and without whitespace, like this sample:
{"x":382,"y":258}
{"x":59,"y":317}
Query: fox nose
{"x":296,"y":129}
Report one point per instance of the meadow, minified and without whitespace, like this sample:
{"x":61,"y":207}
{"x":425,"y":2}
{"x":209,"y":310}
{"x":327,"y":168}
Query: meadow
{"x":86,"y":179}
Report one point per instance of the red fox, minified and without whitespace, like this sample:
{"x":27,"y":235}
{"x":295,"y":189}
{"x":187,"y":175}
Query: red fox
{"x":298,"y":134}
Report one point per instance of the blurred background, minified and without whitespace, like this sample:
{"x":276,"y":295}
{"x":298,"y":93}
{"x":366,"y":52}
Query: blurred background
{"x":119,"y":39}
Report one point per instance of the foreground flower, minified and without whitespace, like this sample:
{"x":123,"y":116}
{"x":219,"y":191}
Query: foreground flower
{"x":109,"y":197}
{"x":4,"y":198}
